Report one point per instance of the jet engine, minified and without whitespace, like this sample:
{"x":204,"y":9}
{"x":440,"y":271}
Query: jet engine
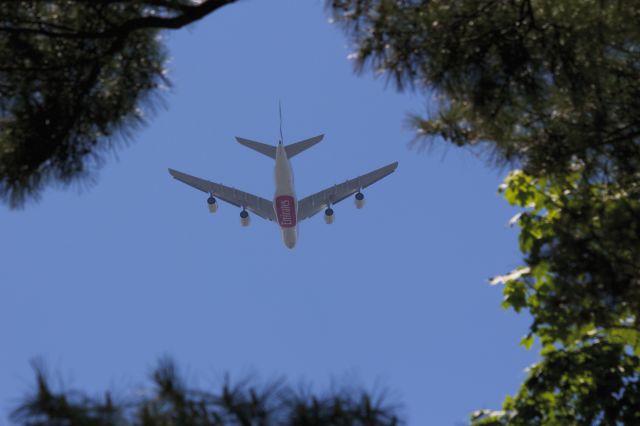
{"x":328,"y":216}
{"x":213,"y":206}
{"x":244,"y":218}
{"x":359,"y":200}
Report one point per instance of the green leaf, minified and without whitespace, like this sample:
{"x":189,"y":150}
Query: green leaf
{"x":527,"y":341}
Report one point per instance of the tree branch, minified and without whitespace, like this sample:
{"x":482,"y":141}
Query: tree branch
{"x":189,"y":15}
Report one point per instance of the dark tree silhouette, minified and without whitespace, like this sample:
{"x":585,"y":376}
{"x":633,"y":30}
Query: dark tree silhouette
{"x":552,"y":87}
{"x":76,"y":77}
{"x":171,"y":401}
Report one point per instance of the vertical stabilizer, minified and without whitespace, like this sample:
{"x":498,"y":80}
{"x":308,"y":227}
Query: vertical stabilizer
{"x":280,"y":112}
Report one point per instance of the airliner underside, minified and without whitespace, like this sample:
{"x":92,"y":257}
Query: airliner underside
{"x":285,"y":209}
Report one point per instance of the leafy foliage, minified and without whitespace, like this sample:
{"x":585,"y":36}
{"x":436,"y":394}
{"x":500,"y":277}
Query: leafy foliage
{"x":76,"y":77}
{"x":172,"y":402}
{"x":582,"y":242}
{"x":553,"y":86}
{"x":581,"y":286}
{"x":596,"y":383}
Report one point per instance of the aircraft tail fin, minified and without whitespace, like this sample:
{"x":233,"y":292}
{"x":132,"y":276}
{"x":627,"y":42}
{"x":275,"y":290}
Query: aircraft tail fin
{"x":298,"y":147}
{"x":268,"y":150}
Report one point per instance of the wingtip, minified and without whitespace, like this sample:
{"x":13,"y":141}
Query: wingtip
{"x":242,"y":141}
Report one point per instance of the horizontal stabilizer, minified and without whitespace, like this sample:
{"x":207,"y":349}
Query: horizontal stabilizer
{"x":298,"y":147}
{"x":268,"y":150}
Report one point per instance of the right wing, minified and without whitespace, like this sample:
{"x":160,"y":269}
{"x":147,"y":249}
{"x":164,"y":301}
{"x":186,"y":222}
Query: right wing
{"x":258,"y":205}
{"x":311,"y":205}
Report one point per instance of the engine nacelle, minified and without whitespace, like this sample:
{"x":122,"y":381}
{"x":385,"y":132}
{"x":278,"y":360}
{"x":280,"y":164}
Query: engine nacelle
{"x":245,"y":220}
{"x":328,"y":216}
{"x":359,"y":200}
{"x":213,"y":205}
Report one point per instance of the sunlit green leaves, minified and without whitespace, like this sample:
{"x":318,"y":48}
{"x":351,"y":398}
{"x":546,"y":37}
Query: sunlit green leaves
{"x":580,"y":239}
{"x":527,"y":341}
{"x":515,"y":295}
{"x":596,"y":383}
{"x":581,"y":243}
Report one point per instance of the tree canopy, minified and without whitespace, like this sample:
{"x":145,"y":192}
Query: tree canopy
{"x":77,"y":76}
{"x":553,"y":89}
{"x":542,"y":82}
{"x":172,"y":401}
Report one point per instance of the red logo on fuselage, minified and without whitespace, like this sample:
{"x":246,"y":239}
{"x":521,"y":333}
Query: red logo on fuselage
{"x":286,"y":211}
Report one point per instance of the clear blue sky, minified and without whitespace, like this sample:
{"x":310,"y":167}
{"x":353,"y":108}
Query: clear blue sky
{"x":101,"y":282}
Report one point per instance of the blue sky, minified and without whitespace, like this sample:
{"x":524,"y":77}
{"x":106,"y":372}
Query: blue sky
{"x":99,"y":282}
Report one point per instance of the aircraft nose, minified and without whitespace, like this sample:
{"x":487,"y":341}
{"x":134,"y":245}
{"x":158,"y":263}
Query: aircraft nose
{"x":290,"y":244}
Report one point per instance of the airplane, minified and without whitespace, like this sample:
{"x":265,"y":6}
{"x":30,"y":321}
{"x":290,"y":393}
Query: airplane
{"x":285,"y":208}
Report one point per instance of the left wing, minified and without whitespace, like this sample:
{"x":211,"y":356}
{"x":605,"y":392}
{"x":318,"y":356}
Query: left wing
{"x":311,"y":205}
{"x":253,"y":203}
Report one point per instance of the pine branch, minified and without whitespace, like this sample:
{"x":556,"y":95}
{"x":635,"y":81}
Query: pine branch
{"x":188,"y":15}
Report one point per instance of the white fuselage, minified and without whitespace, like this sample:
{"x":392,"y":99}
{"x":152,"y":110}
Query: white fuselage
{"x":285,"y":202}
